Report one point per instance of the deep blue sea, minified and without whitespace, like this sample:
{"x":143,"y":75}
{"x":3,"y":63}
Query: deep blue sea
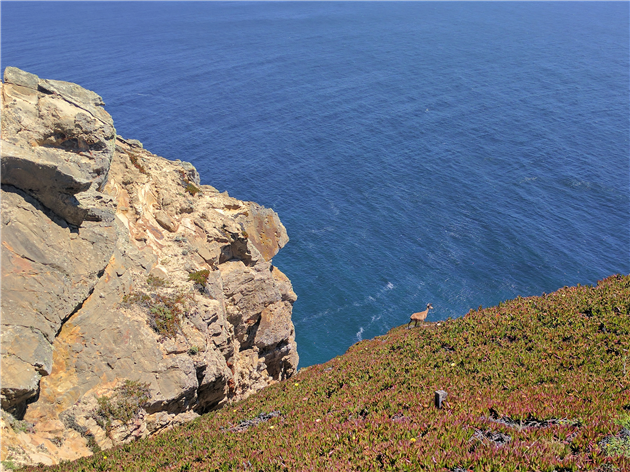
{"x":453,"y":153}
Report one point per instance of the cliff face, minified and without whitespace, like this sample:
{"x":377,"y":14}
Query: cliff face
{"x":123,"y":279}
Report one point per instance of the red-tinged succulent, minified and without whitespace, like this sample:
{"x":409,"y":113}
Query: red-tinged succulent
{"x":536,"y":383}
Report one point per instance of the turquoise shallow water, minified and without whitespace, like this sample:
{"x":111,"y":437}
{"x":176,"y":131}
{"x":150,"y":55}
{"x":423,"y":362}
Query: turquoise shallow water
{"x":453,"y":153}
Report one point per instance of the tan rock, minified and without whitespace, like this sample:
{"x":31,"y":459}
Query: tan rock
{"x":19,"y":382}
{"x":80,"y":314}
{"x":60,"y":278}
{"x":166,"y":221}
{"x":274,"y":325}
{"x":264,"y":229}
{"x":57,"y":141}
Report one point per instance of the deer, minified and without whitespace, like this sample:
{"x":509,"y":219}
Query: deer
{"x":421,"y":316}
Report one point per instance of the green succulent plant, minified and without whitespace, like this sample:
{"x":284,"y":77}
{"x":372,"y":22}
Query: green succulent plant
{"x":535,"y":383}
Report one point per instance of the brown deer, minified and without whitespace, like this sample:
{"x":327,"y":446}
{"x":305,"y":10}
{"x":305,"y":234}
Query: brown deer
{"x":421,"y":316}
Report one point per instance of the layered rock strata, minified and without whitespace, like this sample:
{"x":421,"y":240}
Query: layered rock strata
{"x":123,"y":275}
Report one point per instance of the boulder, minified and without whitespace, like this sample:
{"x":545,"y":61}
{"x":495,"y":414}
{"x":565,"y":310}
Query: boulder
{"x":57,"y":141}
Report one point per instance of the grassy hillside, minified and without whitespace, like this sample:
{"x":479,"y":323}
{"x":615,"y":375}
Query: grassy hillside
{"x":538,"y":383}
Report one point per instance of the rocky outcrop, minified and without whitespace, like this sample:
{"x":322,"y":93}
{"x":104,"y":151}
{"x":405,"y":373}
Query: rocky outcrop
{"x":125,"y":282}
{"x":57,"y":142}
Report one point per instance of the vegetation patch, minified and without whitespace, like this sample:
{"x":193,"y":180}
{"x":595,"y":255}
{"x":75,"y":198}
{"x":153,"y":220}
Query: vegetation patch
{"x":70,"y":421}
{"x":139,"y":298}
{"x":19,"y":426}
{"x":92,"y":444}
{"x":619,"y":444}
{"x":192,"y":190}
{"x":200,"y":277}
{"x":553,"y":364}
{"x":123,"y":405}
{"x":135,"y":160}
{"x":164,"y":310}
{"x":9,"y":465}
{"x":157,"y":282}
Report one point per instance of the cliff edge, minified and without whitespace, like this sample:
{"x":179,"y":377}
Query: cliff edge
{"x":133,"y":298}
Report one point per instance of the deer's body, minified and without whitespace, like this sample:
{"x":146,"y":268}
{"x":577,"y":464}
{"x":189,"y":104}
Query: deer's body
{"x":420,"y":316}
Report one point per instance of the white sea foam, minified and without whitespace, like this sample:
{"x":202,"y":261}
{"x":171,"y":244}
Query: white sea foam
{"x":359,"y":334}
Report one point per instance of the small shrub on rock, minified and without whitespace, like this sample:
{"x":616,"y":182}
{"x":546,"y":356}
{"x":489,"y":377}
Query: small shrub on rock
{"x":157,"y":282}
{"x":164,"y":311}
{"x":135,"y":160}
{"x":137,"y":298}
{"x":200,"y":277}
{"x":9,"y":465}
{"x":123,"y":405}
{"x":191,"y":189}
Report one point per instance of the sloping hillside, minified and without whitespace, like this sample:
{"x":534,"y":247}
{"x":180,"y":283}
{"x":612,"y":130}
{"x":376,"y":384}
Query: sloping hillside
{"x":538,"y":383}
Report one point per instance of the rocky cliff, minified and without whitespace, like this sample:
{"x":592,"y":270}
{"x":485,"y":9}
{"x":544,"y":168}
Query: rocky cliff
{"x":133,"y":298}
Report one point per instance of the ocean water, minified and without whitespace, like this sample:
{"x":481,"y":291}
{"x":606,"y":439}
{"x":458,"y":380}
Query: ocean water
{"x":453,"y":153}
